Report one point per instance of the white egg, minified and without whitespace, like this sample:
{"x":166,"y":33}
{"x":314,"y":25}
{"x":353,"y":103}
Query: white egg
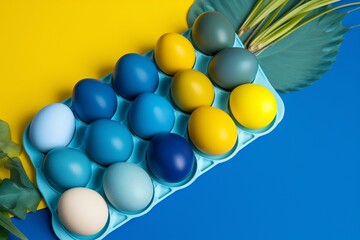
{"x":53,"y":126}
{"x":83,"y":211}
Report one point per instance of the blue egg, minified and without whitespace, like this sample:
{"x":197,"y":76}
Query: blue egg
{"x":67,"y":168}
{"x":134,"y":74}
{"x":93,"y":100}
{"x":128,"y":187}
{"x":170,"y":158}
{"x":151,"y":114}
{"x":108,"y":141}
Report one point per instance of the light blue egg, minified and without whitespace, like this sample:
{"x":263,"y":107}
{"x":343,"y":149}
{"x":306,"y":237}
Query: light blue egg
{"x":67,"y":168}
{"x":52,"y":127}
{"x":151,"y":114}
{"x":128,"y":187}
{"x":108,"y":141}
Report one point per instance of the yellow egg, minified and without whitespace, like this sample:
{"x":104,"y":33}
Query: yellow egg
{"x":253,"y":106}
{"x":212,"y":130}
{"x":173,"y":52}
{"x":191,"y":89}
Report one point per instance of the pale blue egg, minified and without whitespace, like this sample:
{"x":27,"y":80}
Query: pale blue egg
{"x":128,"y":187}
{"x":52,"y":127}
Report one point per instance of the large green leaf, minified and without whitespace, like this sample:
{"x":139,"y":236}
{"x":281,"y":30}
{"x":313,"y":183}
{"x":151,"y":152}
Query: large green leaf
{"x":299,"y":59}
{"x":18,"y":194}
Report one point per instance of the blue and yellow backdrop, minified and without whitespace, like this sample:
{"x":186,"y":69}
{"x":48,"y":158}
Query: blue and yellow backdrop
{"x":302,"y":181}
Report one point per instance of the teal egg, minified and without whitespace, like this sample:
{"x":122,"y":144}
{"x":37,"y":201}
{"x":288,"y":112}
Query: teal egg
{"x":128,"y":187}
{"x":108,"y":141}
{"x":232,"y":67}
{"x":67,"y":168}
{"x":212,"y":32}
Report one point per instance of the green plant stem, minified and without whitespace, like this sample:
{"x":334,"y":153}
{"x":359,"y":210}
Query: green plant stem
{"x":268,"y":38}
{"x":305,"y":8}
{"x":254,"y":32}
{"x":265,"y":12}
{"x":253,"y":12}
{"x":267,"y":23}
{"x":306,"y":22}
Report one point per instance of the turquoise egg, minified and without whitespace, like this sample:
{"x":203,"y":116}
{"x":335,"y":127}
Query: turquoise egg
{"x":67,"y":168}
{"x":151,"y":114}
{"x":128,"y":187}
{"x":108,"y":141}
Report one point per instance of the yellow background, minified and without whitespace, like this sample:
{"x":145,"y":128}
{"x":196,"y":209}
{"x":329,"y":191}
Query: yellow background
{"x":47,"y":46}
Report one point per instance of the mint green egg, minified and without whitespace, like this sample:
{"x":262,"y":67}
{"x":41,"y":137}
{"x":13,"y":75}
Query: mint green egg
{"x":128,"y":187}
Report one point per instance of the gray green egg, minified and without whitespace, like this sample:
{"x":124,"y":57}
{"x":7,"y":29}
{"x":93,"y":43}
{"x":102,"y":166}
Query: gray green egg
{"x":212,"y":32}
{"x":232,"y":67}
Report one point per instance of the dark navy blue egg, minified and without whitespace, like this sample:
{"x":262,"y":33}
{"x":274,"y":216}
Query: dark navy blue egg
{"x":134,"y":74}
{"x":170,"y":158}
{"x":93,"y":100}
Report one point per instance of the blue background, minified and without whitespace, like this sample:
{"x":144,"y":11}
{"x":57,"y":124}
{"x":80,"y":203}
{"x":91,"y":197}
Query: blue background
{"x":302,"y":181}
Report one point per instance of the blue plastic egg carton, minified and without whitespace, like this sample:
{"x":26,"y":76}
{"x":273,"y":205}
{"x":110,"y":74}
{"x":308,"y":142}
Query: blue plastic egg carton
{"x":162,"y":190}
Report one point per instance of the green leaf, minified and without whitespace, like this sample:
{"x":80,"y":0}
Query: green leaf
{"x":18,"y":194}
{"x":295,"y":61}
{"x":6,"y":144}
{"x":7,"y":226}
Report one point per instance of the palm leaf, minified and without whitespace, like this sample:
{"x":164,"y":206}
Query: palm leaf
{"x":305,"y":55}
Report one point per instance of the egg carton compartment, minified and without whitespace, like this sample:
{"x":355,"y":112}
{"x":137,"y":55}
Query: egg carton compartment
{"x":203,"y":162}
